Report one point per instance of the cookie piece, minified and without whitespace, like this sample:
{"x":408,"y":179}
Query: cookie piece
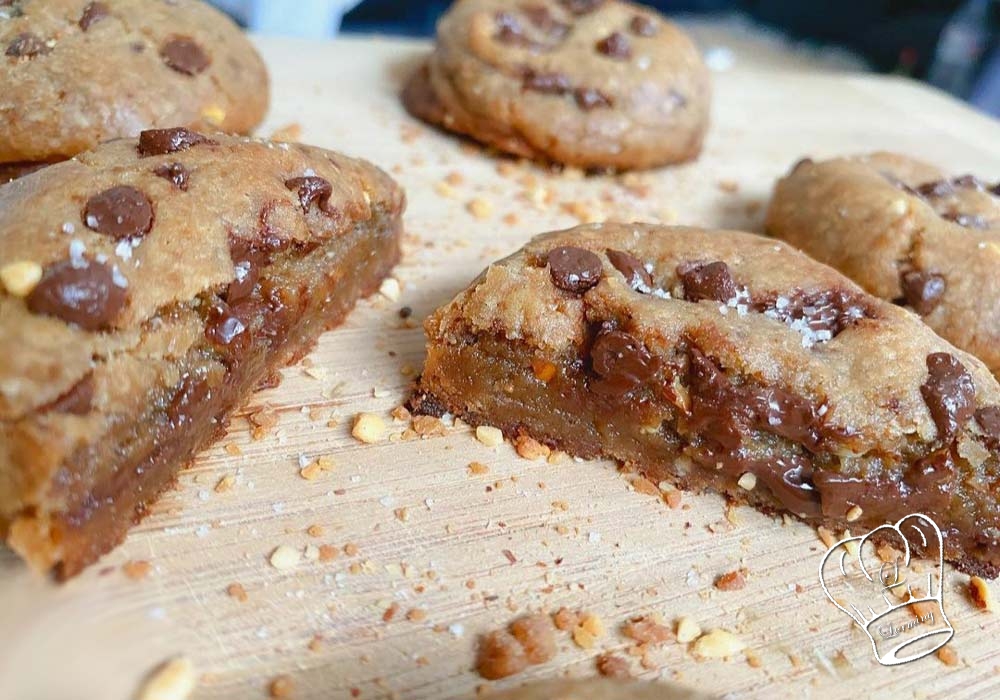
{"x":906,"y":232}
{"x":598,"y":689}
{"x":739,"y":365}
{"x":76,"y":73}
{"x":596,"y":84}
{"x":148,"y":288}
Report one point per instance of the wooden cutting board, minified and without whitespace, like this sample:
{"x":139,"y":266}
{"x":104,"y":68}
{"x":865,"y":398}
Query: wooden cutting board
{"x":469,"y":551}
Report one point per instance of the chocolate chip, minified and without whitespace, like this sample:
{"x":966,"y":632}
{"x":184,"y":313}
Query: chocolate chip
{"x":175,"y":172}
{"x":311,"y":189}
{"x":509,"y":30}
{"x":591,"y":98}
{"x":635,"y":273}
{"x":949,"y":392}
{"x":622,"y":363}
{"x":820,"y":316}
{"x":247,"y":261}
{"x":922,"y":290}
{"x":184,"y":56}
{"x":790,"y":479}
{"x":540,"y":16}
{"x":119,"y":212}
{"x":967,"y":220}
{"x":615,"y":45}
{"x":787,"y":415}
{"x":156,"y":142}
{"x":548,"y":83}
{"x":574,"y":269}
{"x":581,"y":7}
{"x":989,"y":420}
{"x":641,"y":25}
{"x":76,"y":401}
{"x":27,"y":45}
{"x":707,"y":281}
{"x":716,"y":412}
{"x":82,"y":293}
{"x":94,"y":12}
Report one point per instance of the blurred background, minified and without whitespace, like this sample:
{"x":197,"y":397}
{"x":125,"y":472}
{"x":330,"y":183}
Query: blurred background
{"x":951,"y":44}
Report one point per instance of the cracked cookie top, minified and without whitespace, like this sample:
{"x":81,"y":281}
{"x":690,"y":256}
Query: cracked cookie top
{"x":76,"y":73}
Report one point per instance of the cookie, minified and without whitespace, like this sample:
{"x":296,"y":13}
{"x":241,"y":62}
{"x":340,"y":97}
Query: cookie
{"x":148,"y":288}
{"x":76,"y":73}
{"x":728,"y":361}
{"x":597,"y":689}
{"x":906,"y":232}
{"x":598,"y":84}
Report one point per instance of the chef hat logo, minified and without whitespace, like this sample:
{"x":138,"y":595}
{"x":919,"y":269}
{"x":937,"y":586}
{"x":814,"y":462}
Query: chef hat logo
{"x":895,"y":599}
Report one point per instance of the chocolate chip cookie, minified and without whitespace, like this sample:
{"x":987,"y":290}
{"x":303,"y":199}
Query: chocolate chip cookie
{"x":148,"y":287}
{"x":724,"y":360}
{"x":599,"y":84}
{"x":906,"y":232}
{"x":76,"y":73}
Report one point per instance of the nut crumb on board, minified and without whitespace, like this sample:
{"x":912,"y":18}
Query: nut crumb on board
{"x":731,"y":580}
{"x":237,"y":592}
{"x":529,"y":448}
{"x":589,"y":629}
{"x":528,"y":640}
{"x":948,"y":656}
{"x":172,"y":680}
{"x":647,"y":630}
{"x":489,"y":436}
{"x":687,"y":630}
{"x":717,"y":644}
{"x":281,"y":687}
{"x":480,"y":208}
{"x":612,"y":666}
{"x":285,"y":557}
{"x":368,"y":428}
{"x":136,"y":570}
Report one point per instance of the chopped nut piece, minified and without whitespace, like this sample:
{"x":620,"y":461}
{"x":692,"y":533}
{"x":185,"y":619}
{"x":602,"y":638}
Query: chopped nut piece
{"x":428,"y":426}
{"x":536,"y":635}
{"x":489,"y":436}
{"x":237,"y":591}
{"x":327,"y":552}
{"x":284,"y":557}
{"x":717,"y":644}
{"x":529,"y":448}
{"x":390,"y":612}
{"x":390,"y":289}
{"x":826,"y":536}
{"x":500,"y":655}
{"x":687,"y":630}
{"x":136,"y":570}
{"x":368,"y":428}
{"x":747,"y":482}
{"x":281,"y":687}
{"x":854,"y":513}
{"x":21,"y":277}
{"x":402,"y":514}
{"x":543,"y":369}
{"x":643,"y":485}
{"x":400,"y":413}
{"x":590,"y":629}
{"x":948,"y":656}
{"x":731,"y":581}
{"x":480,"y":208}
{"x":172,"y":680}
{"x":611,"y":666}
{"x":981,"y":595}
{"x":226,"y":483}
{"x":315,"y":530}
{"x":565,"y":619}
{"x":646,"y":630}
{"x":351,"y":549}
{"x":478,"y":468}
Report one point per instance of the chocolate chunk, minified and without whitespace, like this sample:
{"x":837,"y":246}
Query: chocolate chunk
{"x":247,"y":261}
{"x":27,"y":45}
{"x":184,"y":56}
{"x":540,"y":16}
{"x":76,"y":401}
{"x":581,"y":7}
{"x":591,"y":98}
{"x":787,"y":415}
{"x":192,"y":391}
{"x":878,"y":497}
{"x":311,"y":189}
{"x":548,"y":83}
{"x":933,"y":471}
{"x":989,"y":420}
{"x":574,"y":269}
{"x":949,"y":393}
{"x":82,"y":293}
{"x":119,"y":212}
{"x":641,"y":25}
{"x":636,"y":275}
{"x":509,"y":30}
{"x":156,"y":142}
{"x":175,"y":172}
{"x":922,"y":290}
{"x":622,"y":363}
{"x":937,"y":188}
{"x":707,"y":281}
{"x":715,"y":411}
{"x":94,"y":12}
{"x":615,"y":45}
{"x":790,"y":479}
{"x":225,"y":325}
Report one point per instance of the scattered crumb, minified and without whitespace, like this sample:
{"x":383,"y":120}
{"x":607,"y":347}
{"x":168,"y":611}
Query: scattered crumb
{"x":262,"y":420}
{"x":316,"y":643}
{"x":237,"y":592}
{"x":529,"y":448}
{"x":478,"y":468}
{"x":284,"y":557}
{"x":731,"y":580}
{"x":136,"y":570}
{"x":226,"y":483}
{"x":315,"y":530}
{"x":537,"y":635}
{"x":500,"y":655}
{"x":747,"y":482}
{"x":172,"y":680}
{"x":401,"y":414}
{"x":402,"y":514}
{"x":416,"y":615}
{"x":368,"y":428}
{"x":826,"y":536}
{"x":428,"y":426}
{"x":566,"y":619}
{"x":588,"y":631}
{"x":327,"y":552}
{"x":489,"y":436}
{"x":980,"y":594}
{"x":647,"y":630}
{"x":729,"y":186}
{"x":611,"y":666}
{"x":480,"y":208}
{"x":445,"y":190}
{"x":233,"y":450}
{"x":314,"y":469}
{"x":281,"y":687}
{"x":687,"y":630}
{"x":717,"y":644}
{"x":948,"y":656}
{"x":643,"y":485}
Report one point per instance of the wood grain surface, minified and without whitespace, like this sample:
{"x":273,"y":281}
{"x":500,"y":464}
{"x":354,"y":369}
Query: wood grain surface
{"x":471,"y":551}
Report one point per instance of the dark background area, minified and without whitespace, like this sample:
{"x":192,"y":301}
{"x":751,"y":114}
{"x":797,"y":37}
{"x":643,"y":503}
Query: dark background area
{"x":950,"y":43}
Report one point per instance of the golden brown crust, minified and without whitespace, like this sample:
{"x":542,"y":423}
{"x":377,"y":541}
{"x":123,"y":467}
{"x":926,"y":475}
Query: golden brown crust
{"x":79,"y":82}
{"x":616,"y":86}
{"x":880,"y":220}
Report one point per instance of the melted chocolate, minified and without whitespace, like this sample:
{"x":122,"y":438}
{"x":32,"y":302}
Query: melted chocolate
{"x":155,"y":142}
{"x":83,"y":293}
{"x":574,"y":269}
{"x":635,"y":273}
{"x":950,"y":394}
{"x":621,"y":362}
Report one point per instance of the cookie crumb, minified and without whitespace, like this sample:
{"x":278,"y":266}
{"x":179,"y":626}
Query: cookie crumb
{"x":565,"y":619}
{"x":368,"y":428}
{"x":731,"y":581}
{"x":948,"y":656}
{"x":416,"y":615}
{"x":536,"y":635}
{"x":281,"y":687}
{"x":172,"y":680}
{"x":612,"y":666}
{"x":285,"y":558}
{"x":21,"y":277}
{"x":647,"y":630}
{"x":226,"y":483}
{"x":529,"y":448}
{"x":687,"y":630}
{"x":588,"y":631}
{"x":979,"y":592}
{"x":480,"y":208}
{"x":717,"y":644}
{"x":489,"y":436}
{"x":478,"y":468}
{"x":237,"y":592}
{"x":136,"y":570}
{"x":500,"y":655}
